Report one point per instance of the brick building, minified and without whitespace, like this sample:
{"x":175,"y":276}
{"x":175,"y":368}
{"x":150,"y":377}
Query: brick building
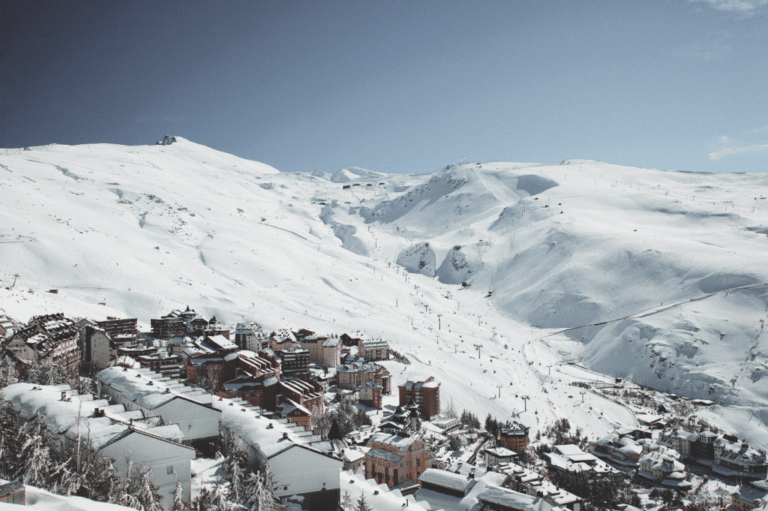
{"x":392,"y":459}
{"x":322,"y":350}
{"x":168,"y":365}
{"x":250,"y":336}
{"x":282,"y":340}
{"x":373,"y":349}
{"x":294,"y":361}
{"x":168,"y":327}
{"x":426,"y":395}
{"x":97,"y":347}
{"x":48,"y":340}
{"x":350,"y":376}
{"x":370,"y":394}
{"x":121,"y":331}
{"x":514,"y":436}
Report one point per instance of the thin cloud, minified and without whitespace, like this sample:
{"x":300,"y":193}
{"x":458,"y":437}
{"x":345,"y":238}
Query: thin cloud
{"x":744,"y":8}
{"x":745,"y":142}
{"x":716,"y":155}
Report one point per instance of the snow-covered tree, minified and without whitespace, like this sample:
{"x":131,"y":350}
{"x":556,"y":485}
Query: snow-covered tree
{"x":362,"y":505}
{"x":346,"y":502}
{"x":214,"y":500}
{"x":137,"y":490}
{"x":35,"y":455}
{"x":235,"y":464}
{"x":148,"y":495}
{"x":11,"y":443}
{"x":8,"y":373}
{"x":179,"y":504}
{"x":260,"y":492}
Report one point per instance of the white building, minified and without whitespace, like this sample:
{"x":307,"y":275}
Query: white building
{"x":167,"y":398}
{"x":298,"y":460}
{"x":250,"y":336}
{"x":108,"y":430}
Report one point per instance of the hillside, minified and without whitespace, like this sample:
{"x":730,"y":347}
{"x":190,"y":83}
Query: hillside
{"x":645,"y":274}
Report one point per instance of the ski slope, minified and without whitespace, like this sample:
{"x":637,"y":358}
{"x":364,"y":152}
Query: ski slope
{"x":643,"y":274}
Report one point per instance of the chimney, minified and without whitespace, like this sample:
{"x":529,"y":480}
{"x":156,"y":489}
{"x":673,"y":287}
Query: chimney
{"x":285,"y":435}
{"x":63,"y":395}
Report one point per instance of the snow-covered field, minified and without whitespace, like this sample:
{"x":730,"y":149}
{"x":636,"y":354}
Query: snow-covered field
{"x":654,"y":276}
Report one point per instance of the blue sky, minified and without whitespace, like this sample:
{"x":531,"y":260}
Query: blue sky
{"x":396,"y":86}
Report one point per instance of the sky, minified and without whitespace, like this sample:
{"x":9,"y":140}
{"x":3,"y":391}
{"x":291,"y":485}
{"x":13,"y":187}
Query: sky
{"x":396,"y":86}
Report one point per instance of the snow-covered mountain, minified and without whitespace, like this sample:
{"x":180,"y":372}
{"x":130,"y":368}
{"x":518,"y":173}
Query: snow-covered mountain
{"x":656,"y":276}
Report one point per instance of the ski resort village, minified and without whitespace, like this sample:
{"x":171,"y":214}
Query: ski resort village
{"x":183,"y":329}
{"x":205,"y":415}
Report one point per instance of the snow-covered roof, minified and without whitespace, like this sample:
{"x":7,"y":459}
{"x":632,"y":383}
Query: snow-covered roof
{"x":377,"y":496}
{"x":42,"y":500}
{"x":352,"y":455}
{"x":248,"y":327}
{"x":512,"y":499}
{"x":384,"y":455}
{"x":147,"y":388}
{"x":222,"y":342}
{"x":447,"y":480}
{"x":501,"y":452}
{"x":402,"y":443}
{"x":74,"y":417}
{"x":749,"y":493}
{"x":663,"y":462}
{"x":370,"y":384}
{"x":268,"y":436}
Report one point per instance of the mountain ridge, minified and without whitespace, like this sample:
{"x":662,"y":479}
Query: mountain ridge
{"x":539,"y":247}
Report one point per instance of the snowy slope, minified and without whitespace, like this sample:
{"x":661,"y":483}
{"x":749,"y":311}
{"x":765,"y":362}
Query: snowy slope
{"x":546,"y":251}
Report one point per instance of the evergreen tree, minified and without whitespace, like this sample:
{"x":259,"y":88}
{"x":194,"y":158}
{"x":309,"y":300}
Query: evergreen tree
{"x":11,"y":443}
{"x":179,"y":504}
{"x":8,"y":374}
{"x":260,"y":492}
{"x":346,"y":502}
{"x":34,"y":458}
{"x":148,"y":495}
{"x":235,"y":464}
{"x":362,"y":505}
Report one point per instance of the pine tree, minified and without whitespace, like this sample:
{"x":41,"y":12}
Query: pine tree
{"x":148,"y":495}
{"x":235,"y":464}
{"x":346,"y":502}
{"x":362,"y":505}
{"x":179,"y":504}
{"x":34,"y":458}
{"x":9,"y":375}
{"x":260,"y":492}
{"x":214,"y":500}
{"x":11,"y":442}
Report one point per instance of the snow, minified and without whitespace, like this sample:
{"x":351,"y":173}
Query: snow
{"x":510,"y":498}
{"x":446,"y":479}
{"x":37,"y":498}
{"x":377,"y":496}
{"x":75,"y":417}
{"x":641,"y":274}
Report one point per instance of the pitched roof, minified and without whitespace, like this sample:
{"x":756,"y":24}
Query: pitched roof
{"x":446,"y":479}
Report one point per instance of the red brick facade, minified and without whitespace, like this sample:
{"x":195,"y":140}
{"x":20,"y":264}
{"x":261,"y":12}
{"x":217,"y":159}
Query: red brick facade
{"x":425,"y":394}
